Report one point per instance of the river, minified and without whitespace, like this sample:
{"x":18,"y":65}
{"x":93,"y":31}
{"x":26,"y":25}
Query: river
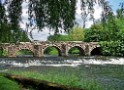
{"x":108,"y":71}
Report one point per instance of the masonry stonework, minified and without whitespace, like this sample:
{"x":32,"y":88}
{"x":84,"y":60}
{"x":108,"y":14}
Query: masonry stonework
{"x":38,"y":48}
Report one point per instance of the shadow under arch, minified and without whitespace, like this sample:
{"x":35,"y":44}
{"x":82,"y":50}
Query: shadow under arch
{"x":96,"y":51}
{"x":24,"y":53}
{"x":76,"y":51}
{"x":3,"y":52}
{"x":52,"y":51}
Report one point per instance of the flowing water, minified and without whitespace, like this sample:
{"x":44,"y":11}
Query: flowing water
{"x":108,"y":71}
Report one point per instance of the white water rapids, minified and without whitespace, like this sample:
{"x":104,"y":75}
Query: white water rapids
{"x":60,"y":63}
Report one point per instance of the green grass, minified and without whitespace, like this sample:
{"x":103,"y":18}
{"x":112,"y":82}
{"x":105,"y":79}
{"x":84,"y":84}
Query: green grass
{"x":75,"y":52}
{"x":6,"y":84}
{"x":89,"y":77}
{"x":53,"y":52}
{"x":70,"y":79}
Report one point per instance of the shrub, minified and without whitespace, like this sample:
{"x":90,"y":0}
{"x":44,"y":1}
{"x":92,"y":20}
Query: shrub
{"x":112,"y":48}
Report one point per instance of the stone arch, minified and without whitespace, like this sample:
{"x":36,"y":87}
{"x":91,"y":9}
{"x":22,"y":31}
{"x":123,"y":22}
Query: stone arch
{"x":56,"y":47}
{"x":26,"y":51}
{"x":82,"y":52}
{"x":24,"y":47}
{"x":96,"y":51}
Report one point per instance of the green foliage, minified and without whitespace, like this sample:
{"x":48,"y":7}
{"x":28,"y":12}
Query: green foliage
{"x":89,"y":77}
{"x":25,"y":52}
{"x":51,"y":51}
{"x":3,"y":53}
{"x":110,"y":34}
{"x":6,"y":84}
{"x":110,"y":48}
{"x":75,"y":34}
{"x":98,"y":33}
{"x":10,"y":31}
{"x":64,"y":77}
{"x":56,"y":14}
{"x":8,"y":35}
{"x":114,"y":48}
{"x":23,"y":37}
{"x":107,"y":31}
{"x":74,"y":50}
{"x":93,"y":35}
{"x":15,"y":11}
{"x":58,"y":38}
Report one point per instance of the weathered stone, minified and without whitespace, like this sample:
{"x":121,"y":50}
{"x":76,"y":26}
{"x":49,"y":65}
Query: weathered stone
{"x":38,"y":48}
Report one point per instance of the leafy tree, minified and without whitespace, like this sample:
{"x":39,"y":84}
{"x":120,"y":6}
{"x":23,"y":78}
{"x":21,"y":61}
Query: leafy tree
{"x":107,"y":31}
{"x":55,"y":14}
{"x":115,"y":46}
{"x":94,"y":34}
{"x":58,"y":37}
{"x":76,"y":34}
{"x":10,"y":31}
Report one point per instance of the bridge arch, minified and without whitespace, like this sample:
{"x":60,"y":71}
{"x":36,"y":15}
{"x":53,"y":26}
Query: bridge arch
{"x":25,"y":53}
{"x":96,"y":51}
{"x":24,"y":49}
{"x":47,"y":49}
{"x":78,"y":50}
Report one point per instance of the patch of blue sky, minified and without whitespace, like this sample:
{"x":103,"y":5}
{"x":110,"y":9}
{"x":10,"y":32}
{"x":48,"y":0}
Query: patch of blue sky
{"x":115,"y":4}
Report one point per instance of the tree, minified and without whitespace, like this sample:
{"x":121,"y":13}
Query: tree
{"x":114,"y":35}
{"x":107,"y":31}
{"x":75,"y":34}
{"x":96,"y":33}
{"x":58,"y":37}
{"x":55,"y":14}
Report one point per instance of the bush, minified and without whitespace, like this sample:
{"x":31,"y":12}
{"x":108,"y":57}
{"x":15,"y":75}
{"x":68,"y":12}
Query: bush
{"x":3,"y":53}
{"x":112,"y":48}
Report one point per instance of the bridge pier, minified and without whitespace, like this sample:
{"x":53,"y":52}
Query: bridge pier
{"x":38,"y":51}
{"x":87,"y":50}
{"x":64,"y":50}
{"x":11,"y":51}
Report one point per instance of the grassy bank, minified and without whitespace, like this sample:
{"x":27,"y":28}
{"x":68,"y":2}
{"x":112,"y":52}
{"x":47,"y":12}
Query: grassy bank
{"x":6,"y":84}
{"x":63,"y":77}
{"x":89,"y":77}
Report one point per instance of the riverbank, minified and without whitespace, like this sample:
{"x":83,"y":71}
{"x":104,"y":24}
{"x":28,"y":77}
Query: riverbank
{"x":34,"y":84}
{"x":71,"y":72}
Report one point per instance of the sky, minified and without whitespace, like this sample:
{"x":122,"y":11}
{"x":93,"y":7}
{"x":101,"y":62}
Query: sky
{"x":115,"y":3}
{"x":42,"y":36}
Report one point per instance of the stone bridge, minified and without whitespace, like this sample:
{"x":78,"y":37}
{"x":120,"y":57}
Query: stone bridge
{"x":38,"y":47}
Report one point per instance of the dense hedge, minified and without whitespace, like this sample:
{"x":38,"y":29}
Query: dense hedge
{"x":112,"y":48}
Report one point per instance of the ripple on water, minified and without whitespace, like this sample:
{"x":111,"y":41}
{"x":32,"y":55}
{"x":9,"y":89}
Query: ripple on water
{"x":59,"y":62}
